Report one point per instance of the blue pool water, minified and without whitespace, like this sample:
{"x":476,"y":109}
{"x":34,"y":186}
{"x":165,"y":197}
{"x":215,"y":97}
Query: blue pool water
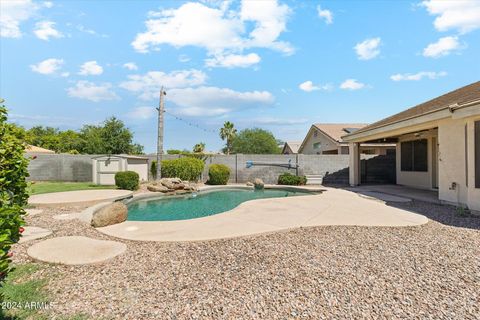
{"x":193,"y":206}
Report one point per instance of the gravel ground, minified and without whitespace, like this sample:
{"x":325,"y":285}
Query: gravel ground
{"x":428,"y":272}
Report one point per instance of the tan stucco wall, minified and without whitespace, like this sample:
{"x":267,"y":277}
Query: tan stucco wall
{"x":326,"y":143}
{"x":452,"y":162}
{"x":415,"y":179}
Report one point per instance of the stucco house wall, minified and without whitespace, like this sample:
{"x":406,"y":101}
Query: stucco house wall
{"x":326,"y":144}
{"x":416,"y":179}
{"x":456,"y":141}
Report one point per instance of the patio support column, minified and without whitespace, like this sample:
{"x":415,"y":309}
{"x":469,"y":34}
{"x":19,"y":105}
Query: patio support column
{"x":354,"y":151}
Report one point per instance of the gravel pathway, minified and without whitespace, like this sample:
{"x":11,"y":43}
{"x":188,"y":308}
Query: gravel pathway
{"x":429,"y":272}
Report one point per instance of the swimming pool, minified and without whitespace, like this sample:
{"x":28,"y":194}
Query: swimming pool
{"x":202,"y":204}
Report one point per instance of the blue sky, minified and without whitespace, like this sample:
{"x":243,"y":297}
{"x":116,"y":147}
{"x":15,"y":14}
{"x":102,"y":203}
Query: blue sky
{"x":279,"y":65}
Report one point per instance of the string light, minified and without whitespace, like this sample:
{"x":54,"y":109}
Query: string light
{"x":189,"y":123}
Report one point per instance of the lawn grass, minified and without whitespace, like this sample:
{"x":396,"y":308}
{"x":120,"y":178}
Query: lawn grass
{"x":53,"y":186}
{"x":20,"y":293}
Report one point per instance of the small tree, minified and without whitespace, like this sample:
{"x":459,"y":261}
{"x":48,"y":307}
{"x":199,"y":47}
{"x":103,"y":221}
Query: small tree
{"x":199,"y":147}
{"x":255,"y":141}
{"x":13,"y":188}
{"x":228,"y":133}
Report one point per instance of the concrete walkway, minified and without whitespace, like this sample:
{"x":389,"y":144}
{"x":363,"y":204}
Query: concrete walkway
{"x":430,"y":196}
{"x":82,"y":197}
{"x":333,"y":207}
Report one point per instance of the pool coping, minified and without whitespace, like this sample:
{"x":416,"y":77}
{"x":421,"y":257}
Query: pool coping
{"x":332,"y":207}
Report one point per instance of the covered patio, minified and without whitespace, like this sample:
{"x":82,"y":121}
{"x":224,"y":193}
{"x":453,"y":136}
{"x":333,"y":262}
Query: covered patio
{"x":437,"y":147}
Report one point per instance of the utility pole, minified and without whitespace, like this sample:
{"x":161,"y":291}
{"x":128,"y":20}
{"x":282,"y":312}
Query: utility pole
{"x":161,"y":110}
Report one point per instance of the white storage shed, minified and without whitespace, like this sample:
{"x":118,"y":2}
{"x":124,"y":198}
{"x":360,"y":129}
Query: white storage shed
{"x":105,"y":167}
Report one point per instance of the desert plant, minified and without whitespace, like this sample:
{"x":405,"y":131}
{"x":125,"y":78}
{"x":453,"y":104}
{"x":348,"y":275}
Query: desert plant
{"x":218,"y":174}
{"x":13,"y":189}
{"x":228,"y":133}
{"x":128,"y":180}
{"x":186,"y":168}
{"x":291,"y":180}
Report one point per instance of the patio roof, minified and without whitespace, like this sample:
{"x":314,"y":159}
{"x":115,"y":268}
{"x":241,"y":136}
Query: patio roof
{"x":459,"y":97}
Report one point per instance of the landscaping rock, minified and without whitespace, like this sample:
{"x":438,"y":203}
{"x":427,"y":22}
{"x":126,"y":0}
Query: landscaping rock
{"x":258,"y":184}
{"x":157,"y":188}
{"x":250,"y":184}
{"x":110,"y":214}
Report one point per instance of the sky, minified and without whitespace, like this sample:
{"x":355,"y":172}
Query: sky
{"x":277,"y":65}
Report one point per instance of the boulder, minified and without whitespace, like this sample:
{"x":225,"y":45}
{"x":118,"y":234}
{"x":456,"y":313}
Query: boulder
{"x":111,"y":214}
{"x":156,"y":188}
{"x":258,"y":184}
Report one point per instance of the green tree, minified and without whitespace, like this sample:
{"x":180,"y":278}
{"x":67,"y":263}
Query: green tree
{"x":255,"y":141}
{"x":199,"y":147}
{"x":13,"y":188}
{"x":228,"y":133}
{"x":116,"y":137}
{"x":92,"y":135}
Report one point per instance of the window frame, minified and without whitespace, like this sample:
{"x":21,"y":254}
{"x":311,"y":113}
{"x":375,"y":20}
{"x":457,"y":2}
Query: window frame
{"x":409,"y":161}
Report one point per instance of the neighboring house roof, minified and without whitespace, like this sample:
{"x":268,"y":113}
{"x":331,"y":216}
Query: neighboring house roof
{"x":459,"y":96}
{"x":293,"y":145}
{"x":336,"y":130}
{"x":333,"y":131}
{"x":126,"y":156}
{"x":35,"y":149}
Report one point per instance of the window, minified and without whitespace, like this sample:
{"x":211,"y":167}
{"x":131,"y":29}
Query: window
{"x":317,"y":145}
{"x":414,"y":155}
{"x":477,"y":153}
{"x":315,"y":133}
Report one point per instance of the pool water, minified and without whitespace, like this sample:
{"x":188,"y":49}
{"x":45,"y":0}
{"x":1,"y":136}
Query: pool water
{"x":193,"y":206}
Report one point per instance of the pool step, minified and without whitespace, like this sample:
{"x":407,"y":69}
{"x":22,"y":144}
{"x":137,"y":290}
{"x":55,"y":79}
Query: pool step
{"x":314,"y":179}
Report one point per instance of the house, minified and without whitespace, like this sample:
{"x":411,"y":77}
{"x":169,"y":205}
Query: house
{"x":326,"y":138}
{"x":291,"y":147}
{"x":35,"y":149}
{"x":437,"y":143}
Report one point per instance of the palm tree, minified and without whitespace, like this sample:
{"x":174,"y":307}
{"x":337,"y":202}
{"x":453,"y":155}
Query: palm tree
{"x":199,"y":147}
{"x":228,"y":132}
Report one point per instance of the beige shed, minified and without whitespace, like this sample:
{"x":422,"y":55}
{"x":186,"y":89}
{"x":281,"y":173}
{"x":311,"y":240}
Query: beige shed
{"x":105,"y":167}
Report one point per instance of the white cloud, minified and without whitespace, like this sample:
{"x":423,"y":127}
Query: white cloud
{"x":308,"y":86}
{"x":130,"y":66}
{"x":46,"y":29}
{"x":213,"y":101}
{"x":13,"y":13}
{"x":48,"y":4}
{"x":352,"y":84}
{"x":418,"y":76}
{"x":266,"y":121}
{"x":327,"y":15}
{"x":142,"y":113}
{"x":227,"y":32}
{"x":90,"y":68}
{"x":83,"y":29}
{"x":460,"y":15}
{"x":233,"y":60}
{"x":368,"y":49}
{"x":91,"y":91}
{"x":148,"y":85}
{"x":48,"y":66}
{"x":443,"y":47}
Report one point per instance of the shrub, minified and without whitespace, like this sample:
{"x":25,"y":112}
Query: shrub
{"x":291,"y":180}
{"x":186,"y":168}
{"x":128,"y":180}
{"x":218,"y":174}
{"x":153,"y":170}
{"x":13,"y":189}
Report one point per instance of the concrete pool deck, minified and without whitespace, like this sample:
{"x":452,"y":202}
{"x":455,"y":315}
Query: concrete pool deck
{"x":333,"y":207}
{"x":81,"y":197}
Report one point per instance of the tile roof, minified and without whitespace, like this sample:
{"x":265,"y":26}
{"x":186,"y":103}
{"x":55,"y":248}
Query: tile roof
{"x":35,"y":149}
{"x":337,"y":130}
{"x":294,"y":145}
{"x":462,"y":95}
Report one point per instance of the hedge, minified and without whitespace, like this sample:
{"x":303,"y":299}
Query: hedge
{"x":291,"y":180}
{"x":128,"y":180}
{"x":218,"y":174}
{"x":13,"y":189}
{"x":187,"y":168}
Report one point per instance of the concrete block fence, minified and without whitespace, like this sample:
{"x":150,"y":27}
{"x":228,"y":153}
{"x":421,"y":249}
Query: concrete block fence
{"x":65,"y":167}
